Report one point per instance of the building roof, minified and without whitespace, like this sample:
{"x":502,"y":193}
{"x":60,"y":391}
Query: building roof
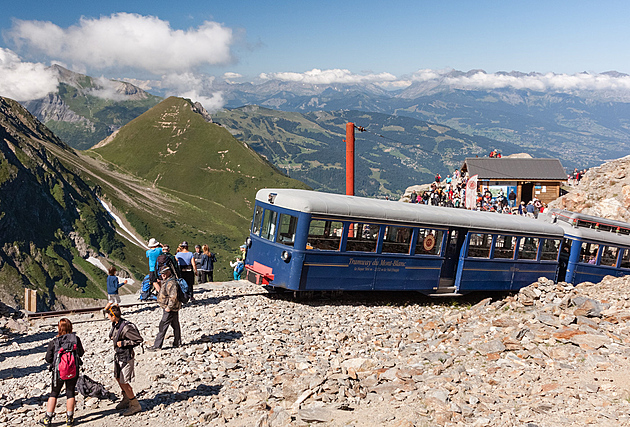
{"x":515,"y":169}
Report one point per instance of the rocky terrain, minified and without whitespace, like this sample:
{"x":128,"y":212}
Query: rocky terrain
{"x":550,"y":355}
{"x":604,"y":191}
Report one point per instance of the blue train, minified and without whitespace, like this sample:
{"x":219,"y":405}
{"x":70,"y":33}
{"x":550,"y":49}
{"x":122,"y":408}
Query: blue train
{"x":310,"y":241}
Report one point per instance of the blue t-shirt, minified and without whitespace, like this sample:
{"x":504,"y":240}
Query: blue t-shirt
{"x":184,"y":258}
{"x":153,"y":255}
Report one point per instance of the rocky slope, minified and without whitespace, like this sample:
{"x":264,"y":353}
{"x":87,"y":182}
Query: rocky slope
{"x":552,"y":355}
{"x":604,"y":191}
{"x":50,"y":219}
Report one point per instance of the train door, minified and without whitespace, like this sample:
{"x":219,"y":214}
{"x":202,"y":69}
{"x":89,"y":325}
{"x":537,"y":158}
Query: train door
{"x":454,"y":242}
{"x":563,"y":259}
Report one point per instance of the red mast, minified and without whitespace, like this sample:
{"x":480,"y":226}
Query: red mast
{"x":350,"y":159}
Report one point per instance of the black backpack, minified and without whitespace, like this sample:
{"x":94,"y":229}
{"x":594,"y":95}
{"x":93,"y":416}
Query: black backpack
{"x":168,"y":260}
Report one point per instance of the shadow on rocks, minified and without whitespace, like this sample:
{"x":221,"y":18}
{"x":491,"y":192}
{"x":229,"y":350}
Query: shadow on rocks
{"x":94,"y":416}
{"x":168,"y":398}
{"x":216,"y":300}
{"x":223,"y":336}
{"x":25,"y":339}
{"x":22,"y":372}
{"x":381,"y":298}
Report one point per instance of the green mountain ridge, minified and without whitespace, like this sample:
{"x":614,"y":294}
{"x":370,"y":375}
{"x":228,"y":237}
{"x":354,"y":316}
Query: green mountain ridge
{"x":394,"y":152}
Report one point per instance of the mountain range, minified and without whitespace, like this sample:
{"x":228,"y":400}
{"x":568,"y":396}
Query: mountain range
{"x":168,"y":174}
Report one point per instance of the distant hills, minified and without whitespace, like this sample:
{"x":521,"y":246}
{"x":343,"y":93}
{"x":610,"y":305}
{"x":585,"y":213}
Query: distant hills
{"x":581,"y":127}
{"x":86,"y":110}
{"x":395,"y":152}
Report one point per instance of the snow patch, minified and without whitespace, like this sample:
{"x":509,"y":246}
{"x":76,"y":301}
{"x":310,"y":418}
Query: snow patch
{"x":121,"y":225}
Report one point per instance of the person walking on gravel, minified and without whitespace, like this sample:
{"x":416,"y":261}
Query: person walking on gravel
{"x":170,"y":303}
{"x":67,"y":344}
{"x":125,"y":337}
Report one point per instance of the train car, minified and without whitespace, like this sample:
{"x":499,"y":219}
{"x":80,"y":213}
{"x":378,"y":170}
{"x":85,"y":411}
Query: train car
{"x":310,"y":241}
{"x":593,"y":247}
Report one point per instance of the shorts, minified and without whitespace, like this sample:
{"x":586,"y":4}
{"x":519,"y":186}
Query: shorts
{"x":113,"y":298}
{"x":124,"y":372}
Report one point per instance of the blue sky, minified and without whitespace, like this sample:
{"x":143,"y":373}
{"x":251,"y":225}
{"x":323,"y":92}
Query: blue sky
{"x":182,"y":43}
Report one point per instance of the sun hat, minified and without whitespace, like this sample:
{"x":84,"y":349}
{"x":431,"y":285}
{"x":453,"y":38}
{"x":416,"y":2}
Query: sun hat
{"x":153,"y":243}
{"x":165,"y":269}
{"x":184,"y":244}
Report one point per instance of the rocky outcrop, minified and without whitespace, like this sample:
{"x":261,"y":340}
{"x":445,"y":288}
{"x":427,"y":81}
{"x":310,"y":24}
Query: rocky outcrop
{"x":52,"y":107}
{"x":604,"y":191}
{"x":553,"y":354}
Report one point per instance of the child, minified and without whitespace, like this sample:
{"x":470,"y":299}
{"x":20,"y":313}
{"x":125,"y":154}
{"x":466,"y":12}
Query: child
{"x":238,"y":268}
{"x":113,"y":285}
{"x":67,"y":339}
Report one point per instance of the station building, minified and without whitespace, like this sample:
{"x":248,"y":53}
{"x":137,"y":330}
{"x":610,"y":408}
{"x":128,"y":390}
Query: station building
{"x":527,"y":177}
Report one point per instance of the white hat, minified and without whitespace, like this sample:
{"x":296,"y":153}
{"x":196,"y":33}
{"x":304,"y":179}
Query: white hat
{"x":153,"y":243}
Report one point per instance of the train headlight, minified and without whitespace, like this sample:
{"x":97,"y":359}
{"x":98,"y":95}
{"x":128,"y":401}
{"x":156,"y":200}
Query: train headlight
{"x":286,"y":256}
{"x":248,"y":242}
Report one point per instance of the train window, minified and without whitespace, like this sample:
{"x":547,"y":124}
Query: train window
{"x":324,"y":235}
{"x":397,"y":240}
{"x":504,"y":247}
{"x":609,"y":256}
{"x":429,"y":241}
{"x":363,"y":237}
{"x":550,"y":249}
{"x":258,"y":214}
{"x":287,"y":227}
{"x":588,"y":253}
{"x":268,"y":230}
{"x":528,"y":248}
{"x":479,"y":246}
{"x":625,"y":259}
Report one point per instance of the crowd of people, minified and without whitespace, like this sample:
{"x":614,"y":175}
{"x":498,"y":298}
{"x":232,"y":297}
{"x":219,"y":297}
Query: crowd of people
{"x":64,"y":352}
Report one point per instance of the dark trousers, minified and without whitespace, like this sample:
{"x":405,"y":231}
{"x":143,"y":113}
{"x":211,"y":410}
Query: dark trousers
{"x":189,"y":277}
{"x":169,"y":318}
{"x":206,"y":276}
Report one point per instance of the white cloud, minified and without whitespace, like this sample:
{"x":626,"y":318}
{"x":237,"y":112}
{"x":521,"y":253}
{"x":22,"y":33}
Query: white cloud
{"x":127,"y":40}
{"x":534,"y":81}
{"x":24,"y":81}
{"x":196,"y":87}
{"x":317,"y":76}
{"x":230,"y":75}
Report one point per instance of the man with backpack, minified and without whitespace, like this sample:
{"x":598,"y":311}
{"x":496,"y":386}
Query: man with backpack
{"x":64,"y":356}
{"x":125,"y":336}
{"x":168,"y":299}
{"x":166,"y":259}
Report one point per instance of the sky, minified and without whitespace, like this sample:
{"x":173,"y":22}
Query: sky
{"x":181,"y":47}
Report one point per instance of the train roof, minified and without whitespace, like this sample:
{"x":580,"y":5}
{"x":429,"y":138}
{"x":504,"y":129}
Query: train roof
{"x":589,"y":227}
{"x":338,"y":205}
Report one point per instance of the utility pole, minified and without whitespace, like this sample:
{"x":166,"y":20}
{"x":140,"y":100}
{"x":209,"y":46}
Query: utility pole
{"x":350,"y":156}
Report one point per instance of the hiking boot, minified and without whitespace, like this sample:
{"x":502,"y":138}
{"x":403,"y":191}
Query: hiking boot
{"x":124,"y":403}
{"x":46,"y":421}
{"x":69,"y":420}
{"x":134,"y":407}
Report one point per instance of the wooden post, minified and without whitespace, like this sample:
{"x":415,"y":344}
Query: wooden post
{"x":30,"y":300}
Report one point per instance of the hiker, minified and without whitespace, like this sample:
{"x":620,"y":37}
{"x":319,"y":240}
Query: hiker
{"x":125,"y":337}
{"x":187,"y":266}
{"x":170,"y":303}
{"x":207,"y":265}
{"x":62,"y":352}
{"x":167,"y":259}
{"x":198,"y":255}
{"x":238,"y":266}
{"x":113,"y":285}
{"x":152,"y":253}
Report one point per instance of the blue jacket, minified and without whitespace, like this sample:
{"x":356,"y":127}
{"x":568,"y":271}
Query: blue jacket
{"x":112,"y":285}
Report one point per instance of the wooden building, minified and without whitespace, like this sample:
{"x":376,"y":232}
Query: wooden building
{"x":527,"y":177}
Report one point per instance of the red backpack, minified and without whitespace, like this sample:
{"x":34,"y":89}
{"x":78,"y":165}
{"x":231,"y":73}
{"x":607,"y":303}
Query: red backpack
{"x":67,"y":360}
